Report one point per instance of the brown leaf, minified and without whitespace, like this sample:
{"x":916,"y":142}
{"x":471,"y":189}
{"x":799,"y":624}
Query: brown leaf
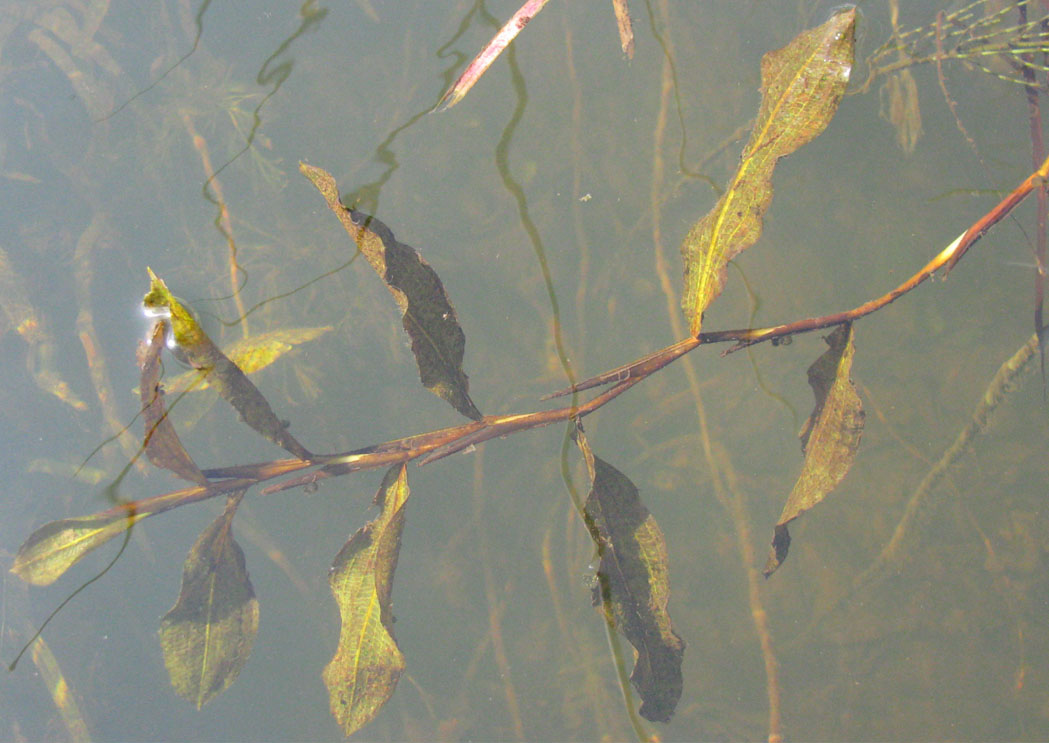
{"x":801,"y":86}
{"x":438,"y":341}
{"x":161,"y":442}
{"x":829,"y":438}
{"x":633,"y":584}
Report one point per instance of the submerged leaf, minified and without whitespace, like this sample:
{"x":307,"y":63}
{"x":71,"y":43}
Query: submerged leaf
{"x":626,"y":29}
{"x":490,"y":53}
{"x":53,"y":548}
{"x":252,"y":354}
{"x":62,"y":695}
{"x":829,"y":438}
{"x":232,"y":384}
{"x":208,"y":634}
{"x":801,"y":86}
{"x":161,"y":442}
{"x":633,"y":583}
{"x":364,"y":672}
{"x":429,"y":319}
{"x":18,"y":313}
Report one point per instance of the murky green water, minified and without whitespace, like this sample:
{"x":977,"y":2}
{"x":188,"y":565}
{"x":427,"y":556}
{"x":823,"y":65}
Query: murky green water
{"x":106,"y":140}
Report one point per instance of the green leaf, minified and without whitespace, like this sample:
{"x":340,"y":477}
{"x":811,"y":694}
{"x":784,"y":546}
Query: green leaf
{"x":438,"y":341}
{"x":364,"y":672}
{"x":232,"y":384}
{"x":252,"y":354}
{"x":56,"y":546}
{"x":829,"y":438}
{"x":801,"y":86}
{"x":208,"y":634}
{"x":633,"y":583}
{"x":162,"y":444}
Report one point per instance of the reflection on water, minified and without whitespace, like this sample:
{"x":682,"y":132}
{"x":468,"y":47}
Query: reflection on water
{"x":552,"y":213}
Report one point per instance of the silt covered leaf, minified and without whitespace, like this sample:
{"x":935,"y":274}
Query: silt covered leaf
{"x":829,"y":438}
{"x":162,"y":444}
{"x":438,"y":341}
{"x":364,"y":672}
{"x":801,"y":86}
{"x":227,"y":378}
{"x":633,"y":583}
{"x":208,"y":634}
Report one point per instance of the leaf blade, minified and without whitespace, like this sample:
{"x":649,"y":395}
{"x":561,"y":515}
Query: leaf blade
{"x":830,"y":437}
{"x":57,"y":545}
{"x":438,"y":341}
{"x":802,"y":85}
{"x":633,"y":587}
{"x":252,"y":354}
{"x":231,"y":383}
{"x":367,"y":664}
{"x":160,"y":441}
{"x":208,"y":634}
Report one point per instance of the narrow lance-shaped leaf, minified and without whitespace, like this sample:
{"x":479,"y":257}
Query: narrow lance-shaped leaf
{"x":232,"y":384}
{"x":626,"y":29}
{"x":364,"y":672}
{"x":438,"y":341}
{"x":490,"y":53}
{"x":633,"y":583}
{"x":161,"y":442}
{"x":829,"y":438}
{"x":801,"y":86}
{"x":208,"y":634}
{"x":251,"y":354}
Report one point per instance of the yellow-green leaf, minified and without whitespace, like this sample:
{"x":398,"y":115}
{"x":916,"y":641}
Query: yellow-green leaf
{"x":829,"y":438}
{"x":227,"y":378}
{"x":53,"y":548}
{"x":251,"y":354}
{"x":633,"y":583}
{"x":801,"y":86}
{"x":207,"y":636}
{"x":364,"y":672}
{"x":438,"y":342}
